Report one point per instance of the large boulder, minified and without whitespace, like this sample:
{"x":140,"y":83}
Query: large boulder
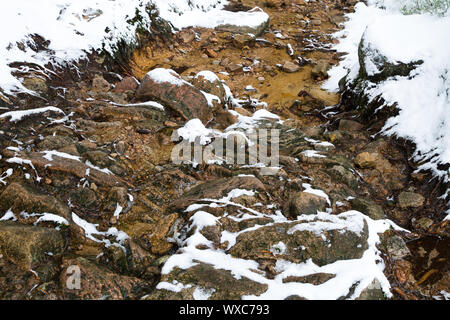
{"x":256,"y":21}
{"x":23,"y":198}
{"x":98,"y":282}
{"x":167,"y":87}
{"x":374,"y":66}
{"x":302,"y":241}
{"x":205,"y":281}
{"x":27,"y":245}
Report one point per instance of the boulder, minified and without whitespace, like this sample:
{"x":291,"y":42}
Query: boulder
{"x":167,"y":87}
{"x":368,"y":207}
{"x":204,"y":279}
{"x":27,"y":245}
{"x":21,"y":197}
{"x":304,"y":203}
{"x":410,"y":200}
{"x":303,"y":243}
{"x":98,"y":282}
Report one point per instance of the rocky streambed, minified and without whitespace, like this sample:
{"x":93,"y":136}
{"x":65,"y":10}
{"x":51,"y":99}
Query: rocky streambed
{"x":88,"y":185}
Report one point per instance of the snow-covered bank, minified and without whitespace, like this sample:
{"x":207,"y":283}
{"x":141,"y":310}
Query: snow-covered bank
{"x":422,"y":96}
{"x":72,"y":29}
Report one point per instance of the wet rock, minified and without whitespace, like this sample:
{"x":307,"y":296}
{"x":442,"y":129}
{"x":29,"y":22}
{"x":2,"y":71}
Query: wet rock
{"x":167,"y":87}
{"x":27,"y":245}
{"x":98,"y":282}
{"x":290,"y":67}
{"x":301,"y":245}
{"x":410,"y":200}
{"x":305,"y":203}
{"x":350,"y":125}
{"x":368,"y":207}
{"x":219,"y":284}
{"x":126,"y":84}
{"x":396,"y":247}
{"x":23,"y":198}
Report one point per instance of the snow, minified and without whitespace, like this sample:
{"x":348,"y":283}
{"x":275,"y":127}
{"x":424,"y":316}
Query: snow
{"x":161,"y":75}
{"x":50,"y":154}
{"x":181,"y":14}
{"x":423,"y":97}
{"x":208,"y":76}
{"x":196,"y":129}
{"x":73,"y":29}
{"x":19,"y":115}
{"x":354,"y":273}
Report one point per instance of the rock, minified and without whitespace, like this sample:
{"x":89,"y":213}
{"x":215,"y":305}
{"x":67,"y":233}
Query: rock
{"x":27,"y":245}
{"x":242,"y":40}
{"x":187,"y":36}
{"x":373,"y":292}
{"x":234,"y":68}
{"x":368,"y":207}
{"x":126,"y":84}
{"x":166,"y":86}
{"x":320,"y":70}
{"x":55,"y":142}
{"x":366,"y":160}
{"x":410,"y":200}
{"x":305,"y":203}
{"x":208,"y":82}
{"x":423,"y":223}
{"x":216,"y":189}
{"x":36,"y":84}
{"x":381,"y":67}
{"x":290,"y":67}
{"x":121,"y":147}
{"x":100,"y":84}
{"x":301,"y":244}
{"x":218,"y":283}
{"x":350,"y":125}
{"x":343,"y":175}
{"x":396,"y":247}
{"x":256,"y":30}
{"x":116,"y":196}
{"x":98,"y":282}
{"x":73,"y":167}
{"x":314,"y":279}
{"x":23,"y":198}
{"x":85,"y":197}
